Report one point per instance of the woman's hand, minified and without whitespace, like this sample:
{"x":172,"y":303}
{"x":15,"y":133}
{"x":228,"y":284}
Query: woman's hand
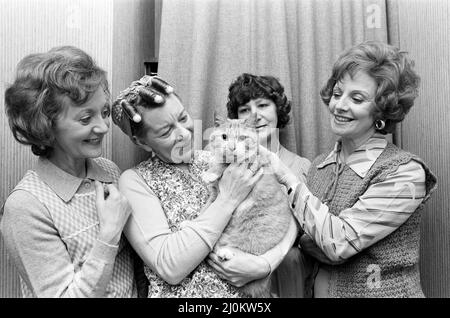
{"x":238,"y":268}
{"x":283,"y":174}
{"x":237,"y":181}
{"x":113,"y":213}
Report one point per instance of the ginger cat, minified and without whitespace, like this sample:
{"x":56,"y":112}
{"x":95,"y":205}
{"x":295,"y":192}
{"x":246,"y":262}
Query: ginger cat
{"x":262,"y":219}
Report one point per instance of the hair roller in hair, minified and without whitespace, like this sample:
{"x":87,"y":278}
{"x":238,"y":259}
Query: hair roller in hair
{"x":150,"y":96}
{"x":130,"y":111}
{"x":162,"y":85}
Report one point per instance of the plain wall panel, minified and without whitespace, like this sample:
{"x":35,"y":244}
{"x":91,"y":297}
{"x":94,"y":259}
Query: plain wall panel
{"x":133,"y":44}
{"x":424,"y":31}
{"x":119,"y":33}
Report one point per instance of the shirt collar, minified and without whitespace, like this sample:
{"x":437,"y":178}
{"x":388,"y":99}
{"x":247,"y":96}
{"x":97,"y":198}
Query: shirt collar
{"x":64,"y":184}
{"x":363,"y":158}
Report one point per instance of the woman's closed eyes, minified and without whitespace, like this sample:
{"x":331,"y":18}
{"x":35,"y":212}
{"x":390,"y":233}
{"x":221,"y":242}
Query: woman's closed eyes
{"x":356,"y":97}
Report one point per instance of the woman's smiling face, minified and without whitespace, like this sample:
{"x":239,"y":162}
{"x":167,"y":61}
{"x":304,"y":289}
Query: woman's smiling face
{"x":79,"y":130}
{"x":351,"y":107}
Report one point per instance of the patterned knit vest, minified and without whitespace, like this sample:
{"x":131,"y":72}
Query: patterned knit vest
{"x":389,"y":268}
{"x":77,"y":224}
{"x":182,"y":195}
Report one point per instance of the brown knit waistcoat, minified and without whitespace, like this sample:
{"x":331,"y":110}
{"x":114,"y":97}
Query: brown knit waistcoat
{"x":394,"y":259}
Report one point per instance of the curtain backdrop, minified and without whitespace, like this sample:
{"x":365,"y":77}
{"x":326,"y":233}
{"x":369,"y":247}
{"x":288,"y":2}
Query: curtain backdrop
{"x":206,"y":44}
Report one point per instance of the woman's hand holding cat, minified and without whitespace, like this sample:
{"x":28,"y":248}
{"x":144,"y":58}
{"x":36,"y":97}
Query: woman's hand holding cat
{"x":237,"y":181}
{"x":283,"y":174}
{"x":239,"y":268}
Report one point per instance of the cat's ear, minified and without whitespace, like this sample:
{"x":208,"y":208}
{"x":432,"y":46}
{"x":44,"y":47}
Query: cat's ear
{"x":251,"y":120}
{"x":218,"y":120}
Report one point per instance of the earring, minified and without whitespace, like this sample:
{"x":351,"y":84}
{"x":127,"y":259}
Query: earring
{"x":379,"y":124}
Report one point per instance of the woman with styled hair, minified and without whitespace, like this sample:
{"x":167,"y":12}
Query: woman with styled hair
{"x":62,"y":223}
{"x":360,"y":209}
{"x":265,"y":97}
{"x":173,"y":227}
{"x":249,"y":88}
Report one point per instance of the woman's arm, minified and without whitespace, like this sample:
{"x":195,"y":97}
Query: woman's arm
{"x":243,"y":268}
{"x":299,"y":167}
{"x":41,"y":256}
{"x":276,"y":255}
{"x":377,"y":213}
{"x":173,"y":255}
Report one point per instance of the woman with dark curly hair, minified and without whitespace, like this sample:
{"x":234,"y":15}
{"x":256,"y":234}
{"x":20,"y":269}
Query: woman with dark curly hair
{"x":62,"y":223}
{"x":359,"y":211}
{"x":265,"y":97}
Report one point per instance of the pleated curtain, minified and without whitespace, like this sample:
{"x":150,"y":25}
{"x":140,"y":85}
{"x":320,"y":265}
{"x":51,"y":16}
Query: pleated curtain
{"x":206,"y":44}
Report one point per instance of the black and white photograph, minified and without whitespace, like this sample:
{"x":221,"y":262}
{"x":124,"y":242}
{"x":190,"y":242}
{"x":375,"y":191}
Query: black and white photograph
{"x":225,"y":153}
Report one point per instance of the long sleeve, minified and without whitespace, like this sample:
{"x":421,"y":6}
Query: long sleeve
{"x":41,"y":257}
{"x":377,"y":213}
{"x":172,"y":255}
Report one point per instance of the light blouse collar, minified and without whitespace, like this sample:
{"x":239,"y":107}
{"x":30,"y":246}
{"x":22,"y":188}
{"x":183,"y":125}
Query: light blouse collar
{"x":363,"y":158}
{"x":64,"y":184}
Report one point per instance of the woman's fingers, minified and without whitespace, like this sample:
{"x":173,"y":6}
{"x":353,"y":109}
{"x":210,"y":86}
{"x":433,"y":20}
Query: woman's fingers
{"x":99,"y":192}
{"x":253,"y":166}
{"x":237,"y":169}
{"x":266,"y":153}
{"x":113,"y":191}
{"x":216,"y":265}
{"x":213,"y":256}
{"x":237,"y":182}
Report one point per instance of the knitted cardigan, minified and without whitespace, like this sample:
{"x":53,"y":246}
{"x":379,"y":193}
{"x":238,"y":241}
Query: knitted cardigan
{"x":388,"y":268}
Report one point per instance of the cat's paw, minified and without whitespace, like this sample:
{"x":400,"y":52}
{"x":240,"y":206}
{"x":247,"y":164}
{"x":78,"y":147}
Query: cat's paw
{"x":224,"y":254}
{"x":209,"y":177}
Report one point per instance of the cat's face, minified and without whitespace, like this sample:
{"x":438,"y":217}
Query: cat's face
{"x":234,"y":139}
